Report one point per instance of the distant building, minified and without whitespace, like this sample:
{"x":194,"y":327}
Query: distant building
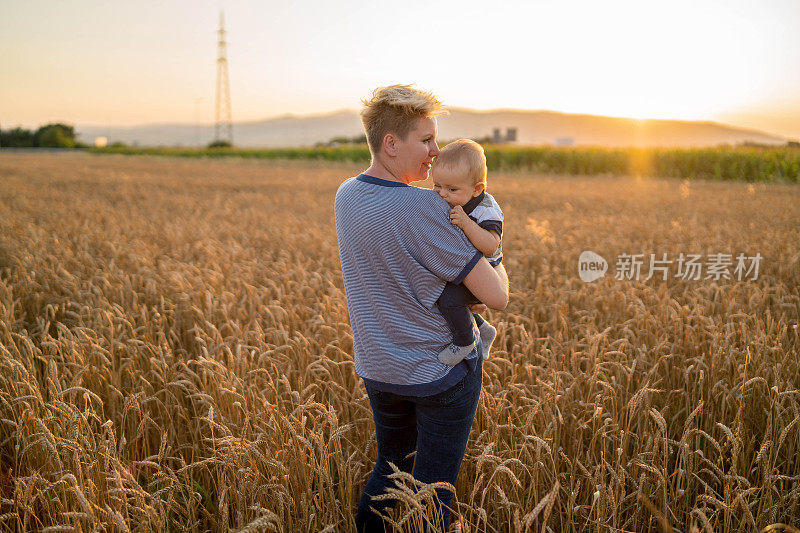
{"x":509,"y":137}
{"x":101,"y":142}
{"x":565,"y":141}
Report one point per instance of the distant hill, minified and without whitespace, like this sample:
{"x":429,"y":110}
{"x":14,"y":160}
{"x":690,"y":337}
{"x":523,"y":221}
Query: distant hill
{"x":533,"y":127}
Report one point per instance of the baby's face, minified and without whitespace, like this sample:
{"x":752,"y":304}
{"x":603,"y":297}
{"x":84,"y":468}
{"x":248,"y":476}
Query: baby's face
{"x":454,"y":185}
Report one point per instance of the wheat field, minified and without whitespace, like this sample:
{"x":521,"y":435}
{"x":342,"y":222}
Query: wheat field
{"x":176,"y":355}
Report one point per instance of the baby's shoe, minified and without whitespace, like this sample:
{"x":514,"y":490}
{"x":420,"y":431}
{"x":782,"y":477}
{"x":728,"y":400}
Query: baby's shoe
{"x":488,"y":333}
{"x":454,"y":354}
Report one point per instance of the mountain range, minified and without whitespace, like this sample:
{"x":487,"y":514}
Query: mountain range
{"x":533,"y":127}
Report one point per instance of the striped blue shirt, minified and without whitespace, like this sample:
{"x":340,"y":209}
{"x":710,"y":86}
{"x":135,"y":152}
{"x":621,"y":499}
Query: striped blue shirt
{"x":398,"y":247}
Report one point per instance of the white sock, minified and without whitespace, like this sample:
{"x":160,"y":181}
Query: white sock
{"x":454,"y":354}
{"x":488,"y":333}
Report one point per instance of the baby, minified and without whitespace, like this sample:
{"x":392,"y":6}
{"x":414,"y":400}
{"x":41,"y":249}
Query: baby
{"x":459,"y":176}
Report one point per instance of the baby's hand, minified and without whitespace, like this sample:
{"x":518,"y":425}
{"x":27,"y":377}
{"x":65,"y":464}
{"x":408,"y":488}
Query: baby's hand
{"x":458,"y":216}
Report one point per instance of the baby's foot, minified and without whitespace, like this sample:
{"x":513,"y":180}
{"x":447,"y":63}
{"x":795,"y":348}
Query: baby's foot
{"x":488,"y":333}
{"x":454,"y":354}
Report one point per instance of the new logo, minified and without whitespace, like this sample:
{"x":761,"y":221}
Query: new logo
{"x":591,"y":266}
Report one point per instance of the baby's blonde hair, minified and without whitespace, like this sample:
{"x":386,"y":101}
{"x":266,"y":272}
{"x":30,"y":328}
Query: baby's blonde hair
{"x":395,"y":109}
{"x":464,"y":152}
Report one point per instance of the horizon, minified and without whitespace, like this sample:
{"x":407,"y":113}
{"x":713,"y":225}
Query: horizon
{"x":459,"y":108}
{"x":126,"y":66}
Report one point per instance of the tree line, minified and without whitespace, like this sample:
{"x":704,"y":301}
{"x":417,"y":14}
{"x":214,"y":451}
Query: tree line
{"x":54,"y":135}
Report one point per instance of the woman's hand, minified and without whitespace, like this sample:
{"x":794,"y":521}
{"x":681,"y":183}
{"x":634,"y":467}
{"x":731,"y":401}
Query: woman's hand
{"x":478,"y":308}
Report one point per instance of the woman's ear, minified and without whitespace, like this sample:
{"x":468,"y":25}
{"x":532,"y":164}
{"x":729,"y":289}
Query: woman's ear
{"x":390,"y":144}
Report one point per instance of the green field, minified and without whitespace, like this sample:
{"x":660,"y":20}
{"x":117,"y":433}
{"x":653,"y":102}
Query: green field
{"x":726,"y":163}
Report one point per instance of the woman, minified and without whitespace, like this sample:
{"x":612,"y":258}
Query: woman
{"x":398,"y":248}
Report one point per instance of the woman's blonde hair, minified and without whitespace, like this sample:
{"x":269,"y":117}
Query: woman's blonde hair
{"x":464,"y":152}
{"x":395,"y":109}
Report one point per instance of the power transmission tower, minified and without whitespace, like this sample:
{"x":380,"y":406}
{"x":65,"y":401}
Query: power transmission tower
{"x":223,"y":128}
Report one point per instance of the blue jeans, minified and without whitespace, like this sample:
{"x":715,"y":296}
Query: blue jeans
{"x":437,"y":427}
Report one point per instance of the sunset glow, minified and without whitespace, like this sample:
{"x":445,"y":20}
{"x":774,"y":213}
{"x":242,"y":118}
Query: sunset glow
{"x":124,"y":64}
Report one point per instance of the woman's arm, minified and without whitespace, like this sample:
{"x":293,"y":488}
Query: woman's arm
{"x":489,"y":285}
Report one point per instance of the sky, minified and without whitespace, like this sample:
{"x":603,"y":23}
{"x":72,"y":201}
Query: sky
{"x":129,"y":63}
